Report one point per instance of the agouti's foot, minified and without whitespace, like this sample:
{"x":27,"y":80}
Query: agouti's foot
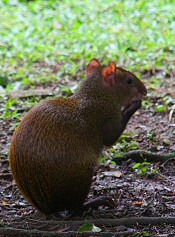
{"x":94,"y":204}
{"x":100,"y":201}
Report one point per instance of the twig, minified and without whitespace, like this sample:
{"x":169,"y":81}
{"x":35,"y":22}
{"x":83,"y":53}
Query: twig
{"x":145,"y":221}
{"x":167,"y":179}
{"x":114,"y":222}
{"x":140,"y":155}
{"x":163,"y":165}
{"x":22,"y":232}
{"x":6,"y":176}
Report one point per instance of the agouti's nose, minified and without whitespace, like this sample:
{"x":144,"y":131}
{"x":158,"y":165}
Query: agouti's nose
{"x":140,"y":96}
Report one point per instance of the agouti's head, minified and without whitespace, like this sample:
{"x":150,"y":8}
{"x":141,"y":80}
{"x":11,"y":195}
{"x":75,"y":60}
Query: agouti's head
{"x":115,"y":82}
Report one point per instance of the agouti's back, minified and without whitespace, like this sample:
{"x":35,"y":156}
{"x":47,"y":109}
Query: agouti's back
{"x":55,"y":148}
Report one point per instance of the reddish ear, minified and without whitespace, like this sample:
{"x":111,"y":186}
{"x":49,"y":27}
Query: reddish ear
{"x":113,"y":65}
{"x":109,"y":74}
{"x":94,"y":64}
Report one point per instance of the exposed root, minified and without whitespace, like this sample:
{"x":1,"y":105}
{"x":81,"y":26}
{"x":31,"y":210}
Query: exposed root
{"x":140,"y":155}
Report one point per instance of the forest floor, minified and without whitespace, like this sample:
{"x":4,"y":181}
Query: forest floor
{"x":146,"y":191}
{"x":44,"y":47}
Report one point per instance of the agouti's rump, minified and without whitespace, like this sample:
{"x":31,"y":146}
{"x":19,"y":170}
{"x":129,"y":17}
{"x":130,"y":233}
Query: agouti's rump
{"x":51,"y":180}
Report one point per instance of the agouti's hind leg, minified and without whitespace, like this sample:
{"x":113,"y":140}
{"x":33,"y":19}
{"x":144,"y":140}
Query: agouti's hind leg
{"x":100,"y":201}
{"x":93,"y":204}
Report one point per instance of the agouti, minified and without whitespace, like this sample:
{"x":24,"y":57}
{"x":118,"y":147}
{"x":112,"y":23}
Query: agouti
{"x":56,"y":146}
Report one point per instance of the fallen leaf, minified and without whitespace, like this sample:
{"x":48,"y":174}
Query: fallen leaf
{"x":137,"y":203}
{"x":116,"y":174}
{"x":4,"y":203}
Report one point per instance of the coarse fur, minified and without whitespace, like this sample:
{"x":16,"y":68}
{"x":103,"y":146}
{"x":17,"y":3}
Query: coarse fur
{"x":56,"y":146}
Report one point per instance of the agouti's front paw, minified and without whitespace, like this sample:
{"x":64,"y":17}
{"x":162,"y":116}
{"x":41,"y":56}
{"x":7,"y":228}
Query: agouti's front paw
{"x":132,"y":108}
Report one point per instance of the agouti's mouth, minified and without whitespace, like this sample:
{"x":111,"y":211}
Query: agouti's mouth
{"x":134,"y":100}
{"x":138,"y":97}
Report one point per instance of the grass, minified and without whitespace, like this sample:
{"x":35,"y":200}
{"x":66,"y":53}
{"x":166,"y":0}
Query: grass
{"x":36,"y":35}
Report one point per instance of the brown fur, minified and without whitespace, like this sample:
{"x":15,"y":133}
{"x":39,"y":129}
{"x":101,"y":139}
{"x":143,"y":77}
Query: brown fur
{"x":55,"y":148}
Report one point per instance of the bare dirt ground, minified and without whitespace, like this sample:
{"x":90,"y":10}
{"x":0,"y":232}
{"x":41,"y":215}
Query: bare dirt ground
{"x":150,"y":195}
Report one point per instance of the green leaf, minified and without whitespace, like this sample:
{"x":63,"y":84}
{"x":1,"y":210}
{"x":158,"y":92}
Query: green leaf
{"x":136,"y":166}
{"x":143,"y":170}
{"x":160,"y":109}
{"x":89,"y":227}
{"x":146,"y":163}
{"x":4,"y":81}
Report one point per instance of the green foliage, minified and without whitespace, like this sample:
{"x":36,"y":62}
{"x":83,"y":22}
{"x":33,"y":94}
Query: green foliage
{"x":35,"y":35}
{"x":125,"y":143}
{"x":3,"y":80}
{"x":167,"y":103}
{"x":160,"y":109}
{"x":66,"y":90}
{"x":146,"y":104}
{"x":144,"y":168}
{"x":155,"y":83}
{"x":143,"y":234}
{"x":8,"y":110}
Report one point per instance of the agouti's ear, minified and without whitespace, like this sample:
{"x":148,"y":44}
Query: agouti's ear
{"x":109,"y":74}
{"x":94,"y":64}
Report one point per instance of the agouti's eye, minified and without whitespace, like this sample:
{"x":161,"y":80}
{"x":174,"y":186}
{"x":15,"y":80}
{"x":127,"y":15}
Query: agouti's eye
{"x":129,"y":81}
